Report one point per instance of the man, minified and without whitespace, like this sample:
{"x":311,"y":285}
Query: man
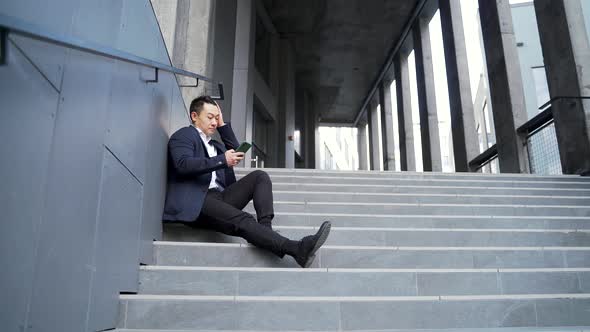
{"x":202,"y":189}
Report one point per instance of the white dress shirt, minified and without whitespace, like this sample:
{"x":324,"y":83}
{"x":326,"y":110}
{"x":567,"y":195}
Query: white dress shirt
{"x":212,"y":153}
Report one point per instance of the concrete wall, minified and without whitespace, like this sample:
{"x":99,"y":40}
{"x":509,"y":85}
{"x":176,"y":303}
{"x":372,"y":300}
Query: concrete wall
{"x":83,"y":140}
{"x":199,"y":36}
{"x":187,"y":27}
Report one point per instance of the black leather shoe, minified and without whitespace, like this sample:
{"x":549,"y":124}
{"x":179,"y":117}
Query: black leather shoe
{"x":310,"y":244}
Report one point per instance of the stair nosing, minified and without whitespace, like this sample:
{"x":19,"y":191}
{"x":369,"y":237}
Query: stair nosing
{"x":462,"y":216}
{"x":438,"y":230}
{"x":422,"y":194}
{"x":390,"y":248}
{"x":358,"y":270}
{"x":241,"y":298}
{"x":427,"y":187}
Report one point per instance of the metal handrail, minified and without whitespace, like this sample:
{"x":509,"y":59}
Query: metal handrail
{"x":14,"y":25}
{"x":562,"y":97}
{"x":259,"y":153}
{"x":536,"y":123}
{"x":484,"y":158}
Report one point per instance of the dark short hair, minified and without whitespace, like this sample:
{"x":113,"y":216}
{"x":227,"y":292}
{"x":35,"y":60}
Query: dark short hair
{"x":197,"y":103}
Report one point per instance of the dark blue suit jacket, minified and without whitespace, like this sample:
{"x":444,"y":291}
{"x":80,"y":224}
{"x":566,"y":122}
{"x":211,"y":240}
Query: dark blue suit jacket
{"x":189,"y":171}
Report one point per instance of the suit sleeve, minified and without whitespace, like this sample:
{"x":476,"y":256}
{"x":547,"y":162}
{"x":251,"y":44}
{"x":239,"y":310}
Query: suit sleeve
{"x":228,"y":137}
{"x":182,"y":153}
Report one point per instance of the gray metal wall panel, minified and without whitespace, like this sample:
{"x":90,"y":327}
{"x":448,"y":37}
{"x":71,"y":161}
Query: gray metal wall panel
{"x":62,"y":279}
{"x":57,"y":15}
{"x":128,"y":115}
{"x":139,"y":31}
{"x":179,"y":117}
{"x":98,"y":21}
{"x":26,"y":130}
{"x":66,"y":270}
{"x":115,"y":262}
{"x":48,"y":58}
{"x":156,"y":139}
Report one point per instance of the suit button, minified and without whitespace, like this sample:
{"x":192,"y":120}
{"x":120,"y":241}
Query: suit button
{"x":219,"y":163}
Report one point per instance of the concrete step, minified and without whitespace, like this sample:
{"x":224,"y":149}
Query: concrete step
{"x":329,"y":256}
{"x":424,"y":189}
{"x":504,"y":329}
{"x":352,"y":313}
{"x":481,"y":198}
{"x":431,"y":221}
{"x":428,"y":209}
{"x":178,"y":280}
{"x":387,"y":236}
{"x":582,"y":183}
{"x":414,"y":175}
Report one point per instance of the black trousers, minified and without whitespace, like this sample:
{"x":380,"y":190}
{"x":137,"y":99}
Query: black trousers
{"x":222,"y":212}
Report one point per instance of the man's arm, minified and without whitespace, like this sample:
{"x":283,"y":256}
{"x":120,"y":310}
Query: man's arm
{"x":181,"y":150}
{"x":226,"y":132}
{"x":228,"y":137}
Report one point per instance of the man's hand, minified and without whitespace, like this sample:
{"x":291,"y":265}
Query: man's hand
{"x":233,"y":158}
{"x":220,"y":121}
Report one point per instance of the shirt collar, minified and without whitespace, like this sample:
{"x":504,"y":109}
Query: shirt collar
{"x":204,"y":137}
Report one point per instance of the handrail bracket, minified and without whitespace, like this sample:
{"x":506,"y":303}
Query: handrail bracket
{"x":190,"y":85}
{"x":155,"y":80}
{"x":3,"y":45}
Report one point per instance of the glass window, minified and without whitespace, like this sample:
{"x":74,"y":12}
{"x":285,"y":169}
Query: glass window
{"x":393,"y":94}
{"x":541,"y":88}
{"x":415,"y":113}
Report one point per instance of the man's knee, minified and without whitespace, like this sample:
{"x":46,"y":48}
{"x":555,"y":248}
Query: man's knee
{"x":261,"y":176}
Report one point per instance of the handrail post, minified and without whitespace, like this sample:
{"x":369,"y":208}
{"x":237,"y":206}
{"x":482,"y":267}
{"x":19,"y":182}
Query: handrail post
{"x":221,"y":95}
{"x":3,"y":45}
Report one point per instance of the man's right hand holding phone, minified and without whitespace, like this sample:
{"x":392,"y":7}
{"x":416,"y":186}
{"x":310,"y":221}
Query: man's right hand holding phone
{"x":233,"y":158}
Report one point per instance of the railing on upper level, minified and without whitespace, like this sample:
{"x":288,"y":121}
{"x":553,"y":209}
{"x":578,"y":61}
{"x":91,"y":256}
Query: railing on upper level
{"x":12,"y":25}
{"x":484,"y":158}
{"x":534,"y":126}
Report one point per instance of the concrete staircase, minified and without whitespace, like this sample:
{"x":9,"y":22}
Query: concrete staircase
{"x":407,"y":252}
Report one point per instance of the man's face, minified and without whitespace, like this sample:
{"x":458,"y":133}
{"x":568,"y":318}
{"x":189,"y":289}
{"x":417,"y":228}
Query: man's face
{"x":207,"y":119}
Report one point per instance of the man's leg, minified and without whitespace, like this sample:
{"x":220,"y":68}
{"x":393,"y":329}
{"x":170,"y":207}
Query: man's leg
{"x":255,"y":186}
{"x":223,"y":217}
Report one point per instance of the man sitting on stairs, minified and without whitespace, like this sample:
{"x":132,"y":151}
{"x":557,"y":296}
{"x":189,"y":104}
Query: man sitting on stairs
{"x":202,"y":190}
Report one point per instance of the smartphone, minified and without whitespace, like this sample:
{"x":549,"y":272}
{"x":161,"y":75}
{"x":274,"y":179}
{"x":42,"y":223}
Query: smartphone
{"x":244,"y":147}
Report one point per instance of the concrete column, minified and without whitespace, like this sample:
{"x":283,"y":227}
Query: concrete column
{"x":286,"y":147}
{"x":188,"y":31}
{"x":376,"y":160}
{"x":310,"y":132}
{"x":371,"y":142}
{"x":431,"y":156}
{"x":505,"y":85}
{"x":224,"y":13}
{"x":317,"y":140}
{"x":404,"y":113}
{"x":244,"y":71}
{"x":567,"y":62}
{"x":362,"y":146}
{"x":465,"y":145}
{"x":387,"y":126}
